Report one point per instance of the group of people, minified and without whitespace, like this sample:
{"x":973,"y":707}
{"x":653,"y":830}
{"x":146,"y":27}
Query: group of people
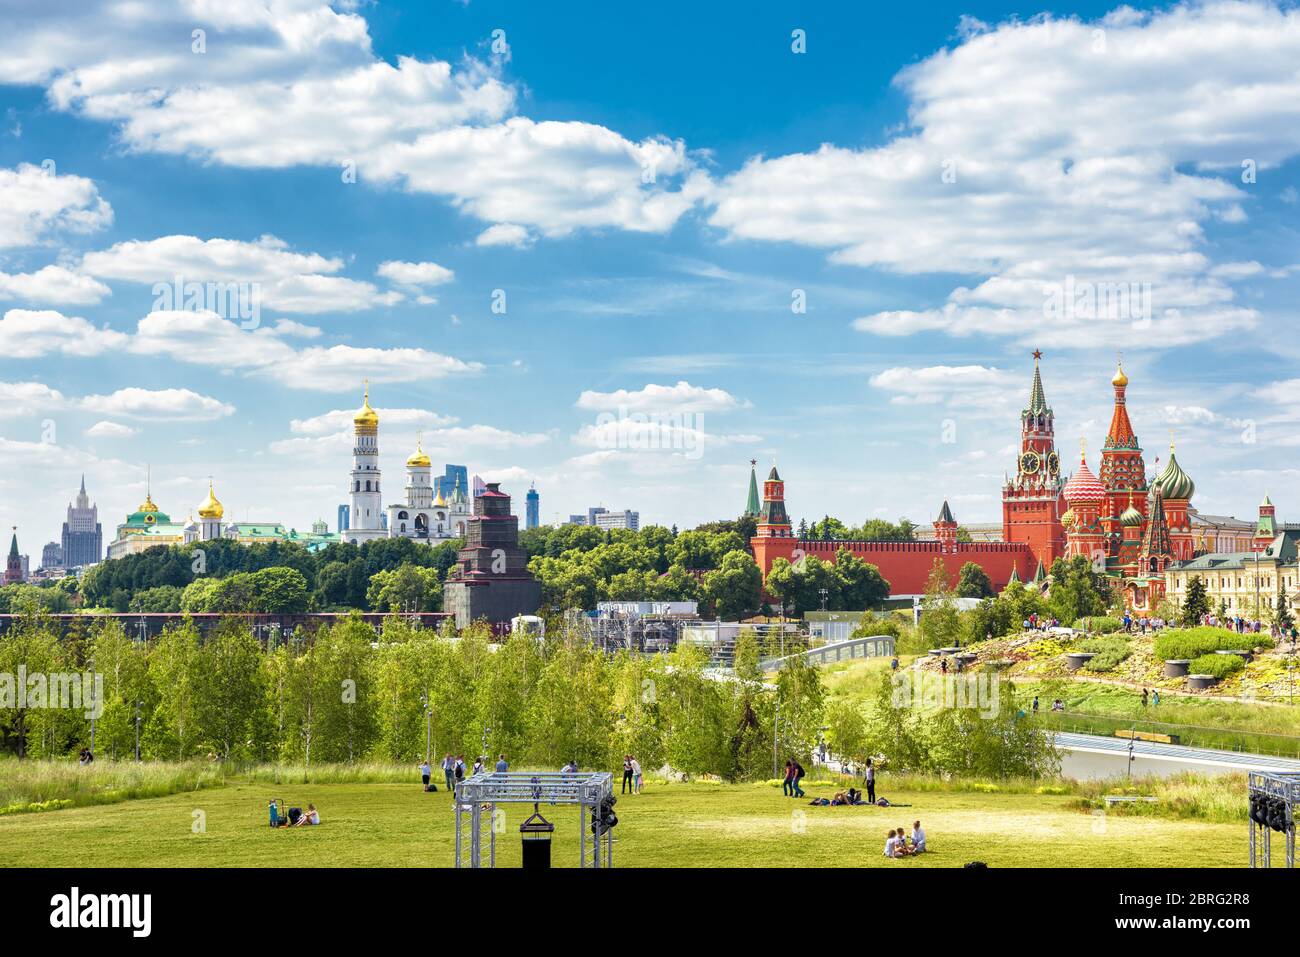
{"x":1144,"y":625}
{"x":1036,"y":622}
{"x":631,"y":774}
{"x":296,"y":817}
{"x":897,"y":844}
{"x":1153,"y":696}
{"x":453,"y":769}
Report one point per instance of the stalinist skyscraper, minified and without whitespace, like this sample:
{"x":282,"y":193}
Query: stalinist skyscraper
{"x":365,"y":496}
{"x":83,"y":537}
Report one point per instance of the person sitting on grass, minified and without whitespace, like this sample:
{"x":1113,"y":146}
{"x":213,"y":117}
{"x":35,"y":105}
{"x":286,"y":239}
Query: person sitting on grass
{"x":906,"y":849}
{"x":918,"y":838}
{"x":311,"y":817}
{"x":840,"y":799}
{"x":891,"y":844}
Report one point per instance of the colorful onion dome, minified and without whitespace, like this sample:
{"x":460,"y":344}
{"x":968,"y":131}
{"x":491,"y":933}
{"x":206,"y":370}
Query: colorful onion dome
{"x":211,"y":508}
{"x":1173,"y":481}
{"x":1131,"y":517}
{"x":1084,"y":486}
{"x":1068,"y":518}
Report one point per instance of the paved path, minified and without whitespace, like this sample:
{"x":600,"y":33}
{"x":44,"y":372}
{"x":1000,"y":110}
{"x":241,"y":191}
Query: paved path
{"x":1096,"y":744}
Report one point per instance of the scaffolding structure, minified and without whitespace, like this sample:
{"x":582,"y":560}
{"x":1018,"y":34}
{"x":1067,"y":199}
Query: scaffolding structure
{"x":1273,"y":799}
{"x":477,"y":798}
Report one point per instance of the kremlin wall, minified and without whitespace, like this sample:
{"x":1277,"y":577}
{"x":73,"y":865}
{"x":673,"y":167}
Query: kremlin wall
{"x":1134,"y":528}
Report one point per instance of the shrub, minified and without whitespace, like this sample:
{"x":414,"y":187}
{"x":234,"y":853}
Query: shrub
{"x":1218,"y":665}
{"x":1195,"y":642}
{"x":1099,"y":624}
{"x":1107,"y":653}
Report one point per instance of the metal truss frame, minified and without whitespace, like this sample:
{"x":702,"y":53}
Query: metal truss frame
{"x":484,"y":791}
{"x":1278,"y":785}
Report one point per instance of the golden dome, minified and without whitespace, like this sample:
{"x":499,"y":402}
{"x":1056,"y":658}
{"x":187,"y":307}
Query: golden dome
{"x":440,"y":502}
{"x":147,"y":505}
{"x":418,"y":459}
{"x":1120,"y":378}
{"x":211,"y":508}
{"x":366,"y":419}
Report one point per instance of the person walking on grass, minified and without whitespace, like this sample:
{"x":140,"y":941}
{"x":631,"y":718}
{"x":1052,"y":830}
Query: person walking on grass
{"x":787,"y":783}
{"x":629,"y":783}
{"x":798,"y":777}
{"x":637,"y":779}
{"x":869,"y":781}
{"x":449,"y":770}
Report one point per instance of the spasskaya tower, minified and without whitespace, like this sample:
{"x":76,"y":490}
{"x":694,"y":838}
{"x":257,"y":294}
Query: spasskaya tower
{"x":1031,"y":502}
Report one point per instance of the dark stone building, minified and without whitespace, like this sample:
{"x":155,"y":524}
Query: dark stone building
{"x":491,"y":580}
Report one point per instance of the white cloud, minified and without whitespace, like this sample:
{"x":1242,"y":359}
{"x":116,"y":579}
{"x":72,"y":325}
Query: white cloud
{"x":28,"y":334}
{"x":204,"y":338}
{"x":415,"y":275}
{"x":651,"y":398}
{"x":278,"y":277}
{"x":176,"y":405}
{"x":505,"y":234}
{"x":53,"y":285}
{"x":340,"y":420}
{"x":18,"y":399}
{"x":110,"y":430}
{"x":934,"y":384}
{"x":35,"y":202}
{"x":296,"y":82}
{"x":1029,"y":158}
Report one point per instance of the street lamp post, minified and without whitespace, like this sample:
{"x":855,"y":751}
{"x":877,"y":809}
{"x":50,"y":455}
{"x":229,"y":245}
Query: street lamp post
{"x":776,"y":724}
{"x":428,"y":726}
{"x":137,"y":731}
{"x":823,"y":592}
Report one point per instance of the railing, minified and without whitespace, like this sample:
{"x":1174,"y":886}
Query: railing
{"x":871,"y":646}
{"x":1271,"y":743}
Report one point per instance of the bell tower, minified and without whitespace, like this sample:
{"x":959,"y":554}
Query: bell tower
{"x":1031,"y":502}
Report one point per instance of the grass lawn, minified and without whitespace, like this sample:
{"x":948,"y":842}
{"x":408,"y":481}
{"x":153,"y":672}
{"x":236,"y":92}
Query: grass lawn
{"x":668,"y":825}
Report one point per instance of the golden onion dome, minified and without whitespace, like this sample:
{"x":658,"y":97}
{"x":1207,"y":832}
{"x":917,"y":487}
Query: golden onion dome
{"x":366,"y":419}
{"x":440,"y":502}
{"x":147,"y":505}
{"x":418,"y":459}
{"x":211,"y":508}
{"x":1068,"y":517}
{"x":1120,"y":378}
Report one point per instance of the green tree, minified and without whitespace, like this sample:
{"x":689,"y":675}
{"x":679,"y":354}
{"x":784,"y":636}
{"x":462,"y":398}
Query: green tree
{"x":861,"y":585}
{"x":1197,"y":604}
{"x":229,"y":691}
{"x":736,"y":588}
{"x":407,"y":588}
{"x":973,"y":582}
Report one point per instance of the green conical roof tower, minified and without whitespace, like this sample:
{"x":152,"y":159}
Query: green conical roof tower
{"x":13,"y":546}
{"x":1040,"y":575}
{"x":1037,"y":398}
{"x":752,"y":506}
{"x":1015,"y":575}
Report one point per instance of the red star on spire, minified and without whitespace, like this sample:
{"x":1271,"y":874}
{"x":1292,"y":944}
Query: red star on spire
{"x":1038,"y":354}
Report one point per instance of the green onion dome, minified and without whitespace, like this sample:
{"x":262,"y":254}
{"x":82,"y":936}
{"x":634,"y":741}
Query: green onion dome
{"x":1174,"y":482}
{"x":1130,"y":517}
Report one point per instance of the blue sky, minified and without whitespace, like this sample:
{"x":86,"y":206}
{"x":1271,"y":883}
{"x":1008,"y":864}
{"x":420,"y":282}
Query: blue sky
{"x":650,"y":190}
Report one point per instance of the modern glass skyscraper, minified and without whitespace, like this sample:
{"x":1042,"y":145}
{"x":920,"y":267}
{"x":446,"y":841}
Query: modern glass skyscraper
{"x":533,"y":510}
{"x":83,"y":537}
{"x":445,"y":483}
